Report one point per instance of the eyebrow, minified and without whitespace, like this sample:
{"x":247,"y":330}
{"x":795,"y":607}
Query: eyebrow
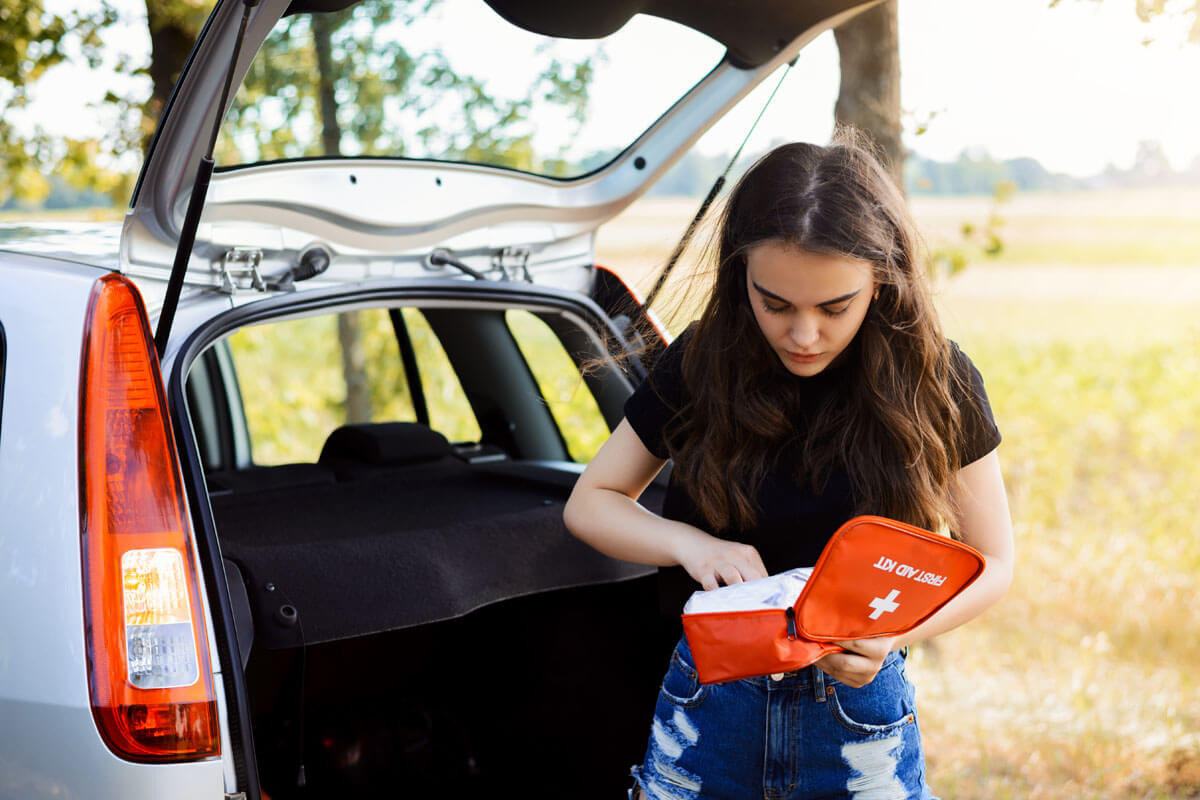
{"x":832,"y":302}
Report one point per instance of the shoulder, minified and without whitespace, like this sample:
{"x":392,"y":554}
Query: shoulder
{"x":667,"y":373}
{"x":980,"y":434}
{"x":966,"y":380}
{"x":660,"y":398}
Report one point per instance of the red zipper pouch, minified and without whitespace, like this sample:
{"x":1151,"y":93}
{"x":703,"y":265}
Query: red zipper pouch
{"x":876,"y":577}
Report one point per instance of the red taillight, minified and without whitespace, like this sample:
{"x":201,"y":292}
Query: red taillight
{"x":151,"y":683}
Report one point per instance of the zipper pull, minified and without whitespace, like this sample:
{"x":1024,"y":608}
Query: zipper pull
{"x":791,"y":623}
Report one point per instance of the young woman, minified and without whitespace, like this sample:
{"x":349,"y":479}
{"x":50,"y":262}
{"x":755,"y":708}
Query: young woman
{"x":815,"y":386}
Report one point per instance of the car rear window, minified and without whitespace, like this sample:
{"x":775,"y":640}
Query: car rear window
{"x":298,"y":382}
{"x":452,"y":80}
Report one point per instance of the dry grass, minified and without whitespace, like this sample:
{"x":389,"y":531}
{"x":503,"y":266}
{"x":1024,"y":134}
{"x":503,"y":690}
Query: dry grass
{"x":1082,"y":683}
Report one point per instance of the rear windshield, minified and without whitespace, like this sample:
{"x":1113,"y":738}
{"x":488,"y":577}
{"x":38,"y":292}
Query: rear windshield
{"x":452,"y":80}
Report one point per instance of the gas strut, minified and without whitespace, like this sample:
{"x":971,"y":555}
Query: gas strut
{"x":191,"y":221}
{"x":708,"y":200}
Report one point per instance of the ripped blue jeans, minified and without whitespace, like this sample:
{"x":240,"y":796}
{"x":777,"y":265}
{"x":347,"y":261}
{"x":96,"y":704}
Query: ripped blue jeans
{"x":802,"y":737}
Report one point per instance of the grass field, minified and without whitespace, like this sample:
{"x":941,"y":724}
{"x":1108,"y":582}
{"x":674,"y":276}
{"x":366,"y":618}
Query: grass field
{"x":1085,"y":681}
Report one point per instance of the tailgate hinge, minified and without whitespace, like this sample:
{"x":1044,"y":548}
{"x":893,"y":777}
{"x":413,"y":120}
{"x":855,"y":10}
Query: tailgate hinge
{"x":513,"y":263}
{"x":239,"y":270}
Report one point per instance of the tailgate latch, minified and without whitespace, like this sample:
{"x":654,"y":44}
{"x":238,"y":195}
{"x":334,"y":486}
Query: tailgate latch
{"x":513,"y":263}
{"x":239,"y":270}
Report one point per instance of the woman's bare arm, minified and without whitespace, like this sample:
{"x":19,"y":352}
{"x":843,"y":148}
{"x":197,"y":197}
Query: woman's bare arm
{"x":603,"y":511}
{"x":985,"y":524}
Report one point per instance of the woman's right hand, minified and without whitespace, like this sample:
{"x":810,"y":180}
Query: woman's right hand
{"x":714,"y":562}
{"x":603,"y":511}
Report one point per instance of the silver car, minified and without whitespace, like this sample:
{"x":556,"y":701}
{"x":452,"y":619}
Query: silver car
{"x":282,"y":462}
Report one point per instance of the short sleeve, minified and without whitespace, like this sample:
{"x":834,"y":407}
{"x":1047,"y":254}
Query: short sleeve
{"x":659,"y":398}
{"x":980,"y":435}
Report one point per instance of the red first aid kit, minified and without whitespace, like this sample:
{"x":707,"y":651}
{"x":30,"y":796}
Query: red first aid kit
{"x":876,"y":577}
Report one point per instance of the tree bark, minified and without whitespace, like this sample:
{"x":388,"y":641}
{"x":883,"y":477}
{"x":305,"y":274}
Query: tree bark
{"x":869,"y":96}
{"x":171,"y":41}
{"x":354,"y":359}
{"x":354,"y":368}
{"x":331,"y":131}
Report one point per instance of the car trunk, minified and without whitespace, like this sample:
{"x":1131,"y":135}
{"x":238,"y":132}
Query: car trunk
{"x":431,"y":626}
{"x":412,"y":615}
{"x":424,"y":623}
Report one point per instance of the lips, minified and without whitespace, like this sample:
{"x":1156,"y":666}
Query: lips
{"x":804,"y":358}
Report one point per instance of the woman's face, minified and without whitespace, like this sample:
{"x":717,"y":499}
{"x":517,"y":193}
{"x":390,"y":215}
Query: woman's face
{"x":808,"y":305}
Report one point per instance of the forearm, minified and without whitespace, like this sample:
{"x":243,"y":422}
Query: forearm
{"x":981,"y":595}
{"x":620,"y":527}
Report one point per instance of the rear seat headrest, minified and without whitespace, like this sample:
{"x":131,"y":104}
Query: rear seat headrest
{"x":385,"y":443}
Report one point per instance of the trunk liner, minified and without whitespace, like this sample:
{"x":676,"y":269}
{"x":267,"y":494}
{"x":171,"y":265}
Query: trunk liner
{"x":404,"y":546}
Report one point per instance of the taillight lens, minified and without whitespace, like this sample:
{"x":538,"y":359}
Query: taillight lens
{"x":151,"y":683}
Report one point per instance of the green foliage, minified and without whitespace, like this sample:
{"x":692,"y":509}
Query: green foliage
{"x":1148,"y":10}
{"x":34,"y":41}
{"x":951,"y":259}
{"x":380,"y":95}
{"x":294,"y":389}
{"x":347,"y":83}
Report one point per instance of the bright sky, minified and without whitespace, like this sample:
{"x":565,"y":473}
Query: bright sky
{"x":1072,"y":86}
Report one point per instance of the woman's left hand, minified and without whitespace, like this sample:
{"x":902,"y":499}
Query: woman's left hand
{"x":860,"y":663}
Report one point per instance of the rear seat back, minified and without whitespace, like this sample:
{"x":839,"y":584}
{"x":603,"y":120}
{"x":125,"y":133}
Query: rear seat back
{"x":353,"y":450}
{"x":256,"y":479}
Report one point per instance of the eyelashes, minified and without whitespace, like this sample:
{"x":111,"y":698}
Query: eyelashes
{"x":770,"y":309}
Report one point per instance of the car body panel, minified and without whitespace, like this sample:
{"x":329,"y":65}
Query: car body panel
{"x":87,"y":243}
{"x":50,"y":750}
{"x":45,"y":703}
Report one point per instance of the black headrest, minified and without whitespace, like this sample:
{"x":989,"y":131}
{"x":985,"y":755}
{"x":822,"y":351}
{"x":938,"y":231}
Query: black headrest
{"x":385,"y":443}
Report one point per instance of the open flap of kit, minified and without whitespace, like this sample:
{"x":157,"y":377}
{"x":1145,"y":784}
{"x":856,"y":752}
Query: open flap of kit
{"x":875,"y":577}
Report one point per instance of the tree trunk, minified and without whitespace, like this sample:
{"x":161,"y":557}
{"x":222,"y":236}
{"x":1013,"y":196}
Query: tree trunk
{"x":171,"y":41}
{"x":331,"y":131}
{"x":354,"y":368}
{"x":869,"y":97}
{"x":354,"y":359}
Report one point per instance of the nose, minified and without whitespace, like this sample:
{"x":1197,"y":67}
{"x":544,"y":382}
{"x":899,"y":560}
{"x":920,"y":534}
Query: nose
{"x":805,"y":330}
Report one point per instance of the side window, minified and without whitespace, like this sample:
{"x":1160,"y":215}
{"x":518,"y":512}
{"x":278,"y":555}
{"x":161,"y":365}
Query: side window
{"x":449,"y":410}
{"x":301,"y":379}
{"x":571,"y":402}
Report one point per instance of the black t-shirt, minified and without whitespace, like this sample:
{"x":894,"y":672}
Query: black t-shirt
{"x":794,"y":523}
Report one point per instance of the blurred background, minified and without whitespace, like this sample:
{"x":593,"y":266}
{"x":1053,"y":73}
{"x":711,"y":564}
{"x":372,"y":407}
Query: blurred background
{"x":1050,"y":150}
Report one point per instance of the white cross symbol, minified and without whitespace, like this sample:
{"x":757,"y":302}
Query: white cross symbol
{"x":884,"y":605}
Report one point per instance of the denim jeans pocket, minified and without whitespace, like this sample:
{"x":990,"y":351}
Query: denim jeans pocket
{"x":681,"y":685}
{"x":880,"y":707}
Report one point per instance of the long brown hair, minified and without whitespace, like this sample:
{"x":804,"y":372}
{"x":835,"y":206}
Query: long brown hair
{"x":892,"y":423}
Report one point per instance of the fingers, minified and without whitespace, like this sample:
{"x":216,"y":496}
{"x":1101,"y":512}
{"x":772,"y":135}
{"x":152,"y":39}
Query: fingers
{"x":859,"y":665}
{"x":875,"y":649}
{"x":724,"y":574}
{"x":722,"y":563}
{"x":850,"y":668}
{"x":730,"y":574}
